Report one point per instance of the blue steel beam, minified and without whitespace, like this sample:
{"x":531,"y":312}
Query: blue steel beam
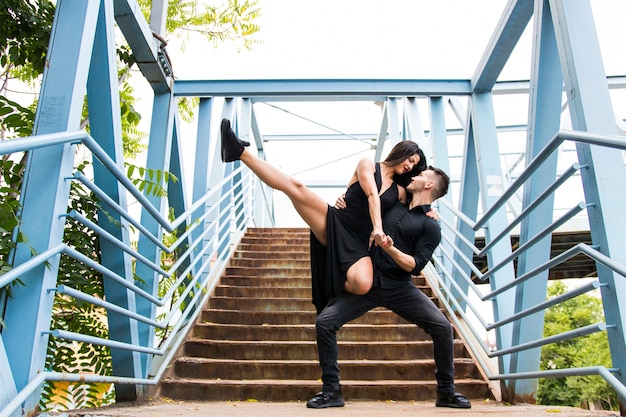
{"x":543,"y":124}
{"x":511,"y":25}
{"x":144,"y":44}
{"x":468,"y":199}
{"x":263,"y":214}
{"x":106,"y":129}
{"x":331,"y":89}
{"x":382,"y":131}
{"x":438,"y":140}
{"x":591,"y":111}
{"x":159,"y":154}
{"x":228,"y":112}
{"x":491,"y":187}
{"x":200,"y":184}
{"x":45,"y":191}
{"x":413,"y":128}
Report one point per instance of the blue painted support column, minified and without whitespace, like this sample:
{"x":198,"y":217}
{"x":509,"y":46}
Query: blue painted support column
{"x":159,"y":153}
{"x":178,"y":204}
{"x":491,"y":188}
{"x":544,"y":121}
{"x":263,"y":204}
{"x":106,"y":128}
{"x":413,"y":129}
{"x":591,"y":110}
{"x":228,"y":112}
{"x":388,"y":127}
{"x":439,"y":144}
{"x":8,"y":391}
{"x":468,"y":201}
{"x":201,"y":166}
{"x":45,"y":191}
{"x":243,"y":201}
{"x":247,"y":133}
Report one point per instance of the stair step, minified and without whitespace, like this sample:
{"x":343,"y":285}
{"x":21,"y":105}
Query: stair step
{"x":270,"y":281}
{"x":261,"y":252}
{"x":350,"y":332}
{"x":376,"y":316}
{"x":260,"y":304}
{"x":302,"y":390}
{"x":257,"y":272}
{"x":290,"y":350}
{"x":273,"y":263}
{"x":415,"y":369}
{"x":237,"y":291}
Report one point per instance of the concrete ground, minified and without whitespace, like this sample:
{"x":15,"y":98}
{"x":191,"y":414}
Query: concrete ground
{"x":352,"y":409}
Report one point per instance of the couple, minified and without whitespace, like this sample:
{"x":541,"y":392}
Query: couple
{"x":365,"y":250}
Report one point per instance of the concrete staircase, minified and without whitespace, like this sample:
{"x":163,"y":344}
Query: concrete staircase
{"x":256,"y":338}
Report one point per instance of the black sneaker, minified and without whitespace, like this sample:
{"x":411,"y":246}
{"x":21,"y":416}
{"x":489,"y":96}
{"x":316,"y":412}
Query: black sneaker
{"x":453,"y":400}
{"x":326,"y":399}
{"x":232,"y":146}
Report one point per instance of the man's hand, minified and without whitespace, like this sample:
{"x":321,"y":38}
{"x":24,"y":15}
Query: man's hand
{"x":378,"y":237}
{"x":388,"y":242}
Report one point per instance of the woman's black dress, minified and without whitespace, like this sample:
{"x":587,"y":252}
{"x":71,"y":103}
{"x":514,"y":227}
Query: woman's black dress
{"x":348,"y":231}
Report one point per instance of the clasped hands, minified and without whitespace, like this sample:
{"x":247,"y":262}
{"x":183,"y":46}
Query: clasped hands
{"x":380,"y":239}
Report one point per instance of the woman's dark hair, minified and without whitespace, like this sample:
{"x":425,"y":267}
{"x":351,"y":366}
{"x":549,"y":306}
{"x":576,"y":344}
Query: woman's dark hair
{"x":401,"y":151}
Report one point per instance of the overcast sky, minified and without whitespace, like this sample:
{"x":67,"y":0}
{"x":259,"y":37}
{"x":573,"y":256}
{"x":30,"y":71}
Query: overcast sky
{"x":381,"y":39}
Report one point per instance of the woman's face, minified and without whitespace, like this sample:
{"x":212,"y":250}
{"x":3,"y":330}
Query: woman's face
{"x":407,"y":165}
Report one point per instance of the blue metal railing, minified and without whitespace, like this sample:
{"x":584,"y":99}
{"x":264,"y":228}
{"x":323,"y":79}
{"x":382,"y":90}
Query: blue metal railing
{"x":458,"y":301}
{"x":208,"y":254}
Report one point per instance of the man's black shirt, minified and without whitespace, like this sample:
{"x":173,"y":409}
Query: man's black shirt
{"x":413,"y":233}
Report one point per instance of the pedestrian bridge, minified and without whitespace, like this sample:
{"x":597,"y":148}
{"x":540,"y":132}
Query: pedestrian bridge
{"x":148,"y":260}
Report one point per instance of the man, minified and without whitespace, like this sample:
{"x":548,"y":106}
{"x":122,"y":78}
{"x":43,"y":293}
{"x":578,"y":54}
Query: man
{"x":412,"y":238}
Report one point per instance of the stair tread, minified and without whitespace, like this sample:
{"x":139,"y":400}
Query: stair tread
{"x":310,"y":325}
{"x":313,"y":342}
{"x":385,"y":362}
{"x":381,"y":382}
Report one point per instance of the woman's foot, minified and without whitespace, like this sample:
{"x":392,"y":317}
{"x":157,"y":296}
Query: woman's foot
{"x":232,"y":146}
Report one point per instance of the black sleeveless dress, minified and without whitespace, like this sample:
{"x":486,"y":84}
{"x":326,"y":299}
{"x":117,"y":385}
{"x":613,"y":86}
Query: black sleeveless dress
{"x":348,"y":231}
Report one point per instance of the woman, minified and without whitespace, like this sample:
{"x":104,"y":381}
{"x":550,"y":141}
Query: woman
{"x":340,"y":238}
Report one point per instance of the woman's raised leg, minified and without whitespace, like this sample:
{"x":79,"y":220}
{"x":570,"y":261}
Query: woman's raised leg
{"x":309,"y":205}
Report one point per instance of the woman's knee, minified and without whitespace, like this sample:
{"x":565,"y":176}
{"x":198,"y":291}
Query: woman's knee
{"x":358,"y":286}
{"x":360,"y":277}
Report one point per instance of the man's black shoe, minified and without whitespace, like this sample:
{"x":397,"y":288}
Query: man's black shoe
{"x":453,"y":400}
{"x":326,"y":399}
{"x":232,"y":146}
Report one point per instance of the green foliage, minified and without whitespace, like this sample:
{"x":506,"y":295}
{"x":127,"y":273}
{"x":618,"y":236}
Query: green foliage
{"x":591,"y":350}
{"x":149,"y":180}
{"x":25,"y":27}
{"x":10,"y":235}
{"x":230,"y":21}
{"x":15,"y":120}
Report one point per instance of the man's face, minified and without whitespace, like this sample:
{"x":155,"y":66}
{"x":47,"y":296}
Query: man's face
{"x":420,"y":181}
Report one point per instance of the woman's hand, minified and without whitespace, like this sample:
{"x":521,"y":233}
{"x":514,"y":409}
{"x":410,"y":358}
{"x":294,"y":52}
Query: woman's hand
{"x":433,"y":214}
{"x":341,"y":202}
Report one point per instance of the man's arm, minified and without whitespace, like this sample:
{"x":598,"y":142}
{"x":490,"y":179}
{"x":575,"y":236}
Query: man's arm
{"x":425,"y":245}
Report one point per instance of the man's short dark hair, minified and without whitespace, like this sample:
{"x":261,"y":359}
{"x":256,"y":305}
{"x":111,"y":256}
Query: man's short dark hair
{"x":442,"y":182}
